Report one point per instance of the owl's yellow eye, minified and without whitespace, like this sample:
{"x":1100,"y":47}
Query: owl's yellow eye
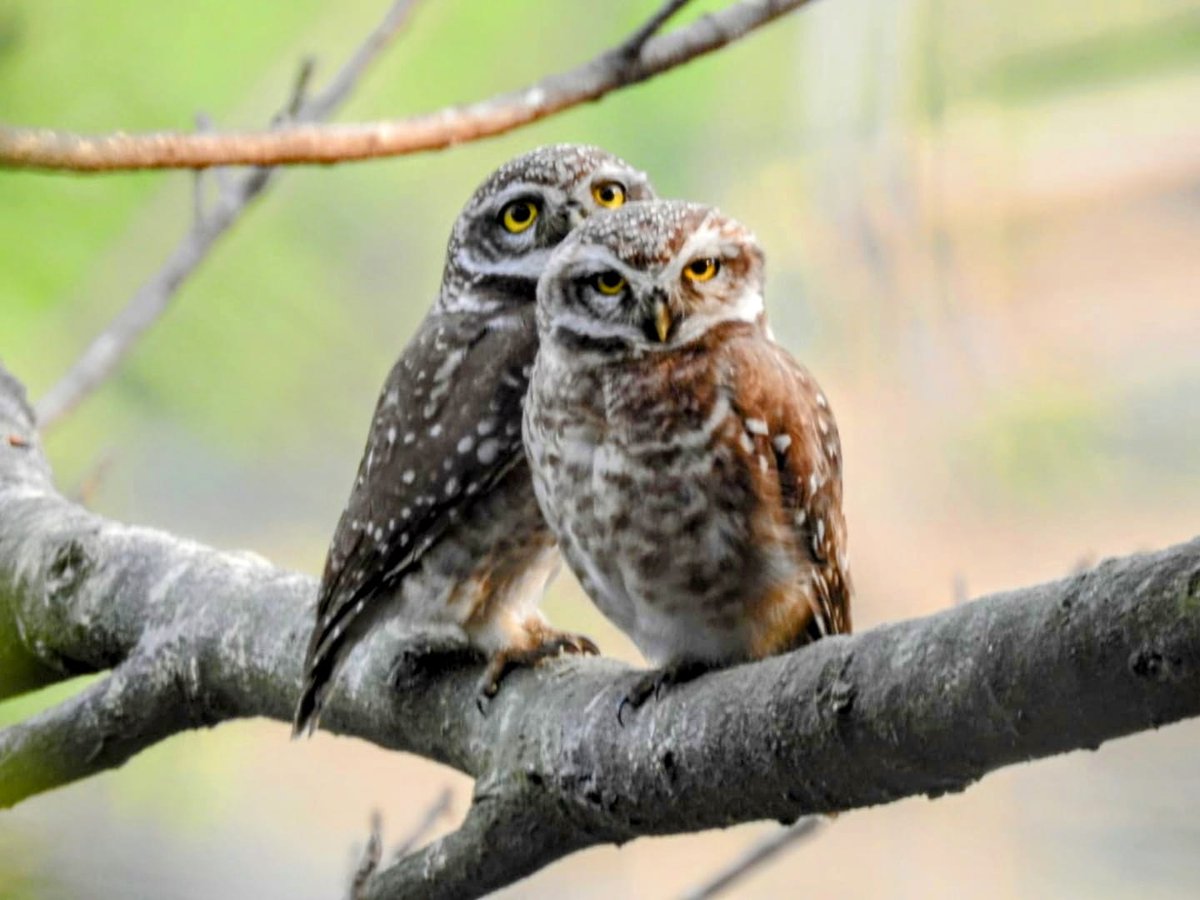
{"x":609,"y":283}
{"x":701,"y":269}
{"x":609,"y":194}
{"x":519,"y":215}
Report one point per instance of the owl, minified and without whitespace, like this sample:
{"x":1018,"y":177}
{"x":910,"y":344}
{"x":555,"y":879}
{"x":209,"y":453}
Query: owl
{"x":690,"y":468}
{"x":442,"y":527}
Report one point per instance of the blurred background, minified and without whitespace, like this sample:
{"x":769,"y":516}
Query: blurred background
{"x":983,"y":227}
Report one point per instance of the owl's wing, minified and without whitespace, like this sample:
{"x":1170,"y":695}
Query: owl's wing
{"x":788,"y":420}
{"x":446,"y":430}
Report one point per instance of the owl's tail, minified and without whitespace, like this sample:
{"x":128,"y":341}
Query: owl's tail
{"x":317,"y":682}
{"x":334,"y":636}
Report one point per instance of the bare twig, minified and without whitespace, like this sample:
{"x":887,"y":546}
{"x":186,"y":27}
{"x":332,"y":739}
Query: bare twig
{"x":633,"y":45}
{"x":307,"y":143}
{"x":85,"y":490}
{"x":371,"y":855}
{"x":373,"y":851}
{"x":434,"y":813}
{"x":758,"y":855}
{"x":152,"y":299}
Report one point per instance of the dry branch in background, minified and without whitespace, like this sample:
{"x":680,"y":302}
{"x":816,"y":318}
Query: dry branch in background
{"x":234,"y":196}
{"x":758,"y":854}
{"x":637,"y":59}
{"x":191,"y":636}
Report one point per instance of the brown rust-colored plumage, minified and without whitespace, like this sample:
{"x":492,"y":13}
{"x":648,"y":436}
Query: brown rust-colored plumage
{"x":690,"y":468}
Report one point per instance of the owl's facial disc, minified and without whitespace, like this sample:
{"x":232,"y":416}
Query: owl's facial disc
{"x":715,"y":277}
{"x":609,"y":186}
{"x":650,"y":277}
{"x":504,"y":237}
{"x":588,"y":299}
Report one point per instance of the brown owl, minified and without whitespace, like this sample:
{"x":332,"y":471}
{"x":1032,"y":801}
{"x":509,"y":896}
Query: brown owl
{"x":689,"y":467}
{"x":442,"y":526}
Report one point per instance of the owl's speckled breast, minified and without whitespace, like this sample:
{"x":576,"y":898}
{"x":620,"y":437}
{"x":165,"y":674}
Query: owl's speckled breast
{"x":633,"y":461}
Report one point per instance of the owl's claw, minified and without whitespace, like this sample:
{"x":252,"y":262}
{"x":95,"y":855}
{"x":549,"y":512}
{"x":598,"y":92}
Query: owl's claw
{"x":655,"y":683}
{"x":504,"y":661}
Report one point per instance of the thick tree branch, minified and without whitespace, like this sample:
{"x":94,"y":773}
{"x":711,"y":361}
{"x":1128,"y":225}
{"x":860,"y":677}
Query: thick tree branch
{"x":307,"y":143}
{"x":234,"y":197}
{"x":144,"y":700}
{"x":923,"y":706}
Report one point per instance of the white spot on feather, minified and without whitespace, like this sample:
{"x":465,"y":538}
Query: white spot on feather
{"x":488,"y":451}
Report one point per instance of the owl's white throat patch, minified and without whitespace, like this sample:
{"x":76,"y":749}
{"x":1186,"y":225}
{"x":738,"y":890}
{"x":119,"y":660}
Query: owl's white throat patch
{"x":747,"y":306}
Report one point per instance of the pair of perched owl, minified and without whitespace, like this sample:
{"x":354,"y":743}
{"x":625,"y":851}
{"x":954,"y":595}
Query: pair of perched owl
{"x":688,"y":468}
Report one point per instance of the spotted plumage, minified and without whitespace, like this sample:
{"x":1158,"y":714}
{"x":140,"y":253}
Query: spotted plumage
{"x":690,"y":468}
{"x":442,"y":526}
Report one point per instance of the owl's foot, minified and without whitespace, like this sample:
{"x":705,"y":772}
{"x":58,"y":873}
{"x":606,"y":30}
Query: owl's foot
{"x":652,"y":684}
{"x":552,"y":643}
{"x":426,"y":656}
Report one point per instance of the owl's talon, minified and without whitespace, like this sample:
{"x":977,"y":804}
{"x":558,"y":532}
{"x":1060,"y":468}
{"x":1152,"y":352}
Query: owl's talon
{"x":637,"y":695}
{"x":504,"y":661}
{"x":579,"y":645}
{"x":482,"y":702}
{"x":656,"y":683}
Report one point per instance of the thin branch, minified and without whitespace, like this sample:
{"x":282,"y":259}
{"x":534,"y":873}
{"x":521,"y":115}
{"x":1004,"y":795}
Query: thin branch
{"x":634,"y":43}
{"x":372,"y":853}
{"x":608,"y":72}
{"x":516,"y":823}
{"x":139,"y":704}
{"x":234,"y":196}
{"x":924,"y":706}
{"x":753,"y":859}
{"x":434,"y":813}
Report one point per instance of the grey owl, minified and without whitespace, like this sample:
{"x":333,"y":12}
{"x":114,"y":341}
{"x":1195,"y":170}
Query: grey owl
{"x":689,"y":467}
{"x":442,"y":525}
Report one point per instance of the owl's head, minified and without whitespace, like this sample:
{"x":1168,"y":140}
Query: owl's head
{"x":514,"y":220}
{"x":650,"y":277}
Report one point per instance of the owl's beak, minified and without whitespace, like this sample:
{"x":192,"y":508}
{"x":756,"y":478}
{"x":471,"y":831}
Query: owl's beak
{"x":662,"y":320}
{"x":575,"y":214}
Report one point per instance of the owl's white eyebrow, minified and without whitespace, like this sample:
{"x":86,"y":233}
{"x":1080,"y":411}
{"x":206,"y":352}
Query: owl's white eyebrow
{"x":523,"y":191}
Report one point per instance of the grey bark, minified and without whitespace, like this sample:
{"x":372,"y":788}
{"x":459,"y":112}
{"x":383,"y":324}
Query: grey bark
{"x":194,"y":636}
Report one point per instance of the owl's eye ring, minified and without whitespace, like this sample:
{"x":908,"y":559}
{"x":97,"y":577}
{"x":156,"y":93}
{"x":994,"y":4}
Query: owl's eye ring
{"x":609,"y":194}
{"x":608,"y":283}
{"x":519,"y":215}
{"x":704,"y":269}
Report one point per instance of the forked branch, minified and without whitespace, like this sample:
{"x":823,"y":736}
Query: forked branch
{"x":309,"y":143}
{"x":923,"y":706}
{"x":233,"y":197}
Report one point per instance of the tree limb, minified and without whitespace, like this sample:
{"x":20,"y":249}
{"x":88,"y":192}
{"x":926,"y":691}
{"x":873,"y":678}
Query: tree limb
{"x":923,"y":706}
{"x":234,"y":196}
{"x":308,"y":143}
